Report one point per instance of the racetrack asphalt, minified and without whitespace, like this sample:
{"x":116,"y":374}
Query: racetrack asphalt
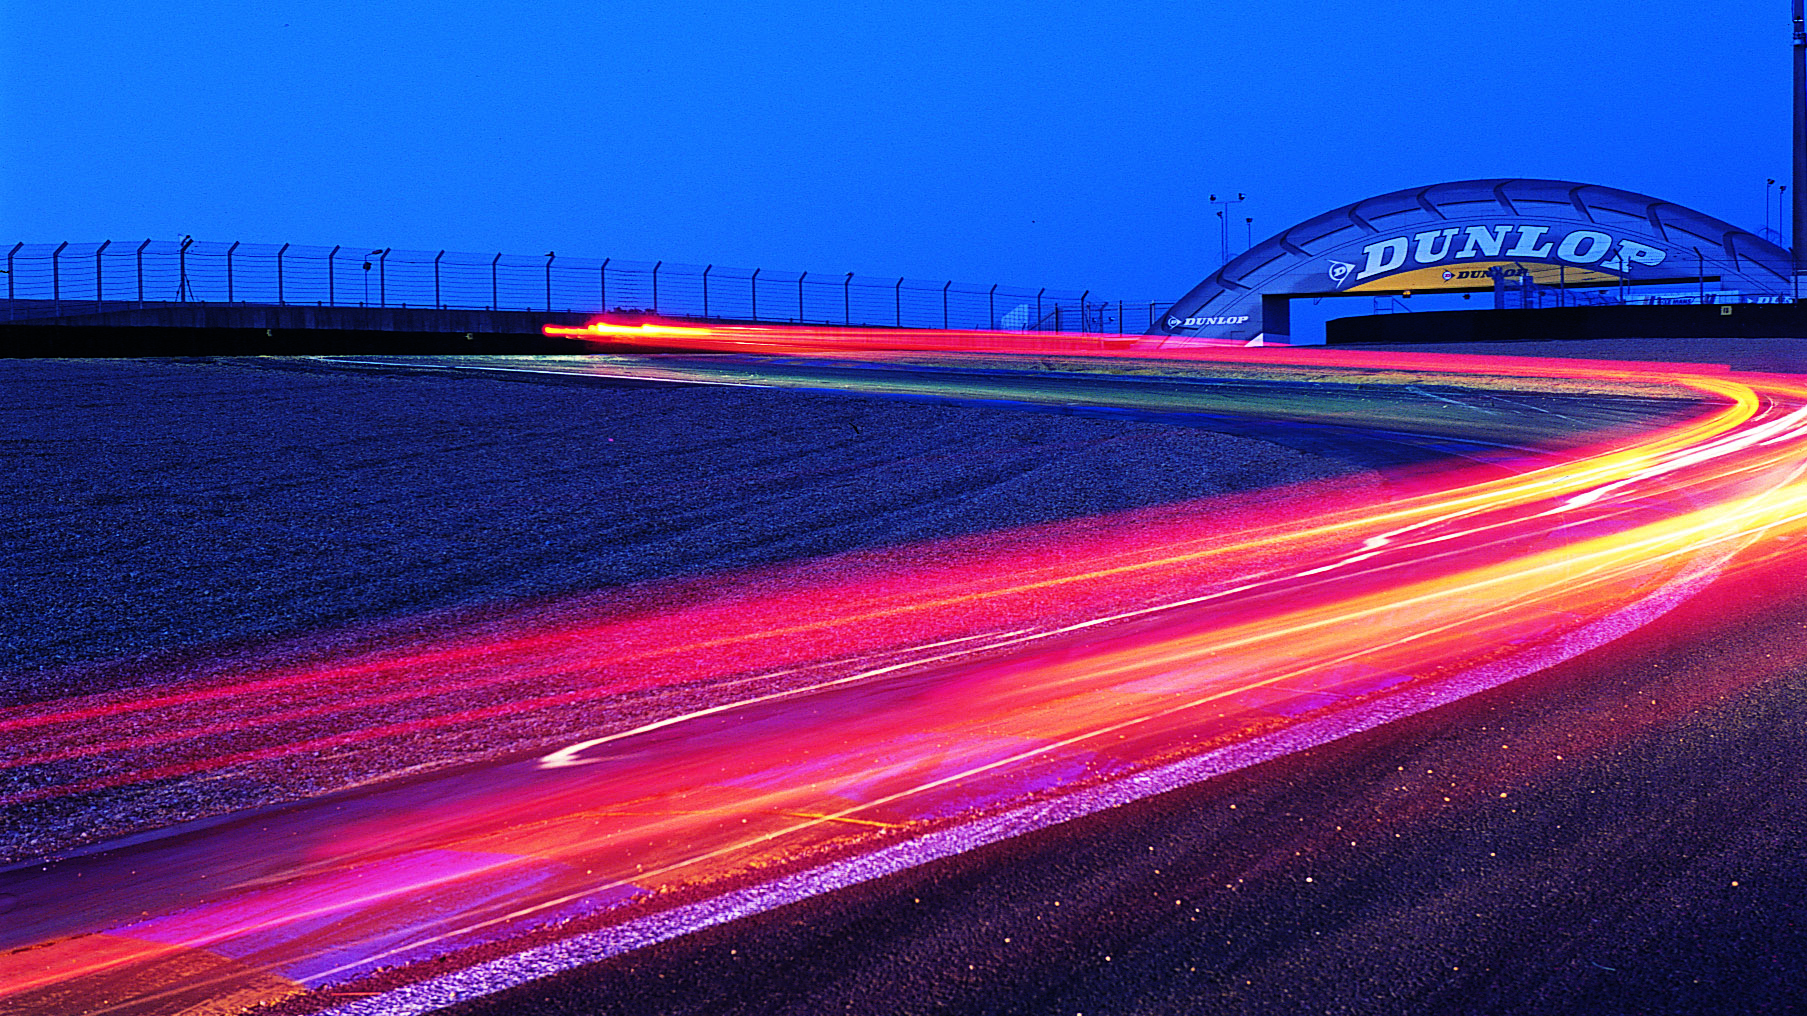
{"x":159,"y":503}
{"x":1644,"y":858}
{"x":1616,"y":836}
{"x":1619,"y":835}
{"x":173,"y":521}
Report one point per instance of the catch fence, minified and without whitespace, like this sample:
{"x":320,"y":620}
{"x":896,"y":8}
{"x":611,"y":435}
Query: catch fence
{"x":68,"y":278}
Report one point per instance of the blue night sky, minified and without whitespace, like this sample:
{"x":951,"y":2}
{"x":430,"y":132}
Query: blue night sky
{"x":1050,"y":143}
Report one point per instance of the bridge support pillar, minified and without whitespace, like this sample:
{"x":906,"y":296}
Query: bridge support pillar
{"x":1276,"y":318}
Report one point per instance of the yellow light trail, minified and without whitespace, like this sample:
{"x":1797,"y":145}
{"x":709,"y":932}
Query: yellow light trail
{"x":1020,"y":674}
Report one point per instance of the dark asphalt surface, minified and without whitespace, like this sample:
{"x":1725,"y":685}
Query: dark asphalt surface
{"x":1645,"y":858}
{"x":176,"y":520}
{"x":1374,"y":425}
{"x":1620,"y":835}
{"x":157,"y":504}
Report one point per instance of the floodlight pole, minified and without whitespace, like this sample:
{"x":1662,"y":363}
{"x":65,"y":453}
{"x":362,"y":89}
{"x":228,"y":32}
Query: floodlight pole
{"x":1799,"y":224}
{"x":1223,"y":219}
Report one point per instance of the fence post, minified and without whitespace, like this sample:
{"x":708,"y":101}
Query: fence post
{"x":438,"y":304}
{"x":706,"y":289}
{"x":493,"y":298}
{"x":182,"y":288}
{"x":847,"y":300}
{"x":991,"y":301}
{"x":944,"y":290}
{"x":656,"y":265}
{"x":1038,"y":309}
{"x":549,"y":256}
{"x":899,"y":295}
{"x":141,"y":248}
{"x":800,"y":279}
{"x":602,"y":292}
{"x":1119,"y":317}
{"x":281,"y":297}
{"x":382,"y":277}
{"x":56,"y":277}
{"x":229,"y":251}
{"x":332,"y":296}
{"x":753,"y":287}
{"x":10,"y":309}
{"x":97,"y":291}
{"x":1084,"y":325}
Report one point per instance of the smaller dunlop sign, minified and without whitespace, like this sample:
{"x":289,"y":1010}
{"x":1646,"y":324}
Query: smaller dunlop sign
{"x":1210,"y":321}
{"x":1479,"y":275}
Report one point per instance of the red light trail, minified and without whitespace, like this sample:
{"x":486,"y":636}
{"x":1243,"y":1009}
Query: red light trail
{"x":881,"y":699}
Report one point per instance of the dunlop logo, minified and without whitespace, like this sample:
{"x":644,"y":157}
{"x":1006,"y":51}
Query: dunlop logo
{"x":1509,"y":241}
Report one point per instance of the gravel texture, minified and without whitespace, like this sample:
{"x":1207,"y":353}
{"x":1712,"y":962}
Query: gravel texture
{"x":1619,"y":835}
{"x":156,"y":507}
{"x":186,"y":521}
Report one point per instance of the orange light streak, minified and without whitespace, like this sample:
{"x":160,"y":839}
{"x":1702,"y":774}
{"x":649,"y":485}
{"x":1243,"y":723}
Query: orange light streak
{"x":969,"y":677}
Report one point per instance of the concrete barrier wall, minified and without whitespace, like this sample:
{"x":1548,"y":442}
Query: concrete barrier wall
{"x":285,"y":317}
{"x":83,"y":341}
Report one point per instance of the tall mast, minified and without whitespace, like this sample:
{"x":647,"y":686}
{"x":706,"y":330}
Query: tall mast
{"x":1798,"y":226}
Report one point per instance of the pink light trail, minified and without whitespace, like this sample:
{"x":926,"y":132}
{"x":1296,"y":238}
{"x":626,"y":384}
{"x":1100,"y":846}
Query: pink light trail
{"x":927,"y":686}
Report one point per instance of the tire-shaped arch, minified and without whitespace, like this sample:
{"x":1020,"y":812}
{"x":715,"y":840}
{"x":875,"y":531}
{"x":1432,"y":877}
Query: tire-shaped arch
{"x":1464,"y":235}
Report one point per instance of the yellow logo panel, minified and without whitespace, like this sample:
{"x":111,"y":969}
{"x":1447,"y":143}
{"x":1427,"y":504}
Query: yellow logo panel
{"x":1477,"y":276}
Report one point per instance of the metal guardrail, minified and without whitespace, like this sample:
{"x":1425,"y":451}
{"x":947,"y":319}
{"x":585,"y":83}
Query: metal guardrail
{"x":42,"y":278}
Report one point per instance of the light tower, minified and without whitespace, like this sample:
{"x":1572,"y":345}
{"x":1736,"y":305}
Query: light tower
{"x":1223,"y":215}
{"x":1798,"y":225}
